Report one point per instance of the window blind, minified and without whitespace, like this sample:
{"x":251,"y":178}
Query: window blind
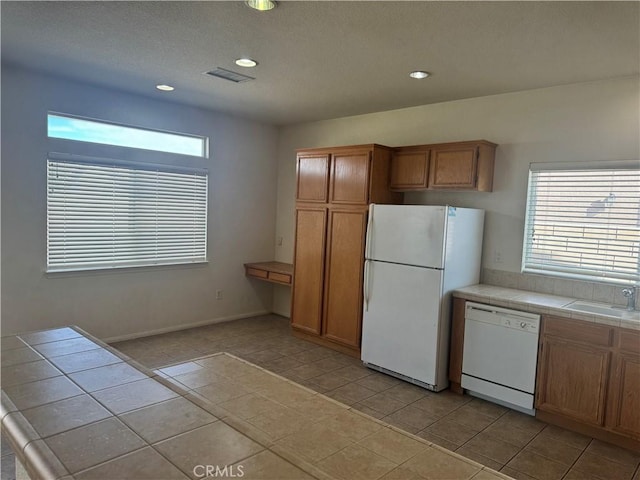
{"x":117,"y":214}
{"x":583,"y":223}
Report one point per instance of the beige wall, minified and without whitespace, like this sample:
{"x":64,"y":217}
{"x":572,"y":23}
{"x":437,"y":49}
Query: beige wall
{"x":582,"y":122}
{"x":242,"y":210}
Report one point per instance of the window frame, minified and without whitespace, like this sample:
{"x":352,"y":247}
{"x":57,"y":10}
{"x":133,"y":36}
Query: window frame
{"x":591,"y":275}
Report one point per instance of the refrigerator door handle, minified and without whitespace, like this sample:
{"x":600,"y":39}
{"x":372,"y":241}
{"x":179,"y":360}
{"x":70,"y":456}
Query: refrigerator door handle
{"x":367,"y":252}
{"x":367,"y":269}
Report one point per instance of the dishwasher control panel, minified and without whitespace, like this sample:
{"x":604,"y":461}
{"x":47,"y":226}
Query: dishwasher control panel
{"x":523,"y":321}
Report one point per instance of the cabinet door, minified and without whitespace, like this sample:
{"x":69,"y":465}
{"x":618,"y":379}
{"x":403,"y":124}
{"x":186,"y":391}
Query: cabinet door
{"x":623,"y":403}
{"x":350,"y":178}
{"x":572,"y":380}
{"x":312,"y":178}
{"x":453,"y":167}
{"x":457,"y":340}
{"x":409,"y":170}
{"x":306,"y":304}
{"x":343,"y":280}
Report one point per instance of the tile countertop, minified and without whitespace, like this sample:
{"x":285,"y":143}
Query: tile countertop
{"x":541,"y":303}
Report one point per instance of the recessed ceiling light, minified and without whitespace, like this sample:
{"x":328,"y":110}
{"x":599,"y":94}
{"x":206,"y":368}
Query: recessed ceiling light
{"x":165,"y":88}
{"x":246,"y":62}
{"x":419,"y":74}
{"x":262,"y":5}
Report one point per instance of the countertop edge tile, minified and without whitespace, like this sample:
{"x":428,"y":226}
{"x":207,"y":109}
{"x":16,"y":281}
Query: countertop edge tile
{"x":19,"y":432}
{"x":42,"y":461}
{"x":6,"y":405}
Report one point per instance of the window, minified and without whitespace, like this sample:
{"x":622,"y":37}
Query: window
{"x":84,"y":130}
{"x":109,"y":214}
{"x":583,"y":221}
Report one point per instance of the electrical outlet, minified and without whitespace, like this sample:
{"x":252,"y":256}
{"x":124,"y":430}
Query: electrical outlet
{"x":497,"y":256}
{"x":218,"y":294}
{"x":279,"y":242}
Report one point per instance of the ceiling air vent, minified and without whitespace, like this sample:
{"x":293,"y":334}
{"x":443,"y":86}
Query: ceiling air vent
{"x":229,"y":75}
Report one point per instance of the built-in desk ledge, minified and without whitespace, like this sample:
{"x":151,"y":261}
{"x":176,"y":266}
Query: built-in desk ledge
{"x":274,"y":272}
{"x":546,"y":304}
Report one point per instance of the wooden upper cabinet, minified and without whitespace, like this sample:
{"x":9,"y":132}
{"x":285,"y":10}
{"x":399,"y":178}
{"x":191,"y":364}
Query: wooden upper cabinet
{"x":350,"y":177}
{"x":312,"y":178}
{"x":410,"y":170}
{"x":454,"y":167}
{"x":444,"y":166}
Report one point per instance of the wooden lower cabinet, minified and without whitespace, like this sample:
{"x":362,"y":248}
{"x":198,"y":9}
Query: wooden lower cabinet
{"x":457,"y":344}
{"x":572,"y":380}
{"x":306,"y":307}
{"x":588,"y":376}
{"x":589,"y":379}
{"x":623,"y":413}
{"x":329,"y":261}
{"x":342,"y":318}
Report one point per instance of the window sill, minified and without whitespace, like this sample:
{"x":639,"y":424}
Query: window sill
{"x":79,"y":272}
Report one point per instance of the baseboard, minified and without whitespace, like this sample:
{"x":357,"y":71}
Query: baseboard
{"x":353,"y":352}
{"x":175,"y":328}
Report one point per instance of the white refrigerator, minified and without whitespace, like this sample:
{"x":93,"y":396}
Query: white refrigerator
{"x":415,"y":256}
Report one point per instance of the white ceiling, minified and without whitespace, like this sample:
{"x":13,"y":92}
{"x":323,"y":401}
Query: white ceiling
{"x":324,"y":59}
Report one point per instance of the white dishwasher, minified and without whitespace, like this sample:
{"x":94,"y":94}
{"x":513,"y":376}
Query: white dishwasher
{"x":500,"y":355}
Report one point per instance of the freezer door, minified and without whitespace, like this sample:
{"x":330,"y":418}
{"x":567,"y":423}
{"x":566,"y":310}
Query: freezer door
{"x":407,"y":234}
{"x":401,"y":317}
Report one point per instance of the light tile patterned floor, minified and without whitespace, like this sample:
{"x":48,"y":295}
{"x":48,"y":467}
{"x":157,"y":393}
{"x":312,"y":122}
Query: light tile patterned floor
{"x":504,"y":440}
{"x":313,"y":433}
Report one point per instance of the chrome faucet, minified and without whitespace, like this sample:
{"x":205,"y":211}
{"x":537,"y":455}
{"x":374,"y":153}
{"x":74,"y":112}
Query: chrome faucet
{"x":630,"y":293}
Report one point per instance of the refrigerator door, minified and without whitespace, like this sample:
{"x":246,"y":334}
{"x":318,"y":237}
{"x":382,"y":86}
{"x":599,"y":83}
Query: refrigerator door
{"x":407,"y":234}
{"x":401,"y":318}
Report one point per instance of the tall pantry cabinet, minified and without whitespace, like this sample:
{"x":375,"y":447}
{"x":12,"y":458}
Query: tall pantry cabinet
{"x":333,"y":191}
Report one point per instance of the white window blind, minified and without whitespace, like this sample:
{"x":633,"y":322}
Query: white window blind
{"x":583,"y":223}
{"x":116,"y":214}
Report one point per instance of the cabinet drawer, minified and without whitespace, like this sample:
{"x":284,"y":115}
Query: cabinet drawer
{"x":254,"y":272}
{"x":279,"y":277}
{"x":629,"y":341}
{"x":578,"y":331}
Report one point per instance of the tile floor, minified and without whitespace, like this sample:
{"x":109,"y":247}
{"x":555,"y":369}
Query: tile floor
{"x":512,"y":443}
{"x":300,"y":429}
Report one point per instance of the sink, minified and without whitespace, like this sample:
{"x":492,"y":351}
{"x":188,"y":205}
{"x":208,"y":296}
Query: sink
{"x":604,"y":309}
